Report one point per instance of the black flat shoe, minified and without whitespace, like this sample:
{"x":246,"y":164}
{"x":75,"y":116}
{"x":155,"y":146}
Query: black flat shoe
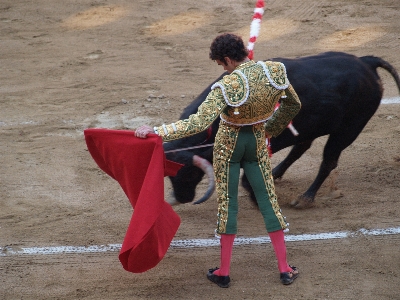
{"x":221,"y":281}
{"x":289,"y":277}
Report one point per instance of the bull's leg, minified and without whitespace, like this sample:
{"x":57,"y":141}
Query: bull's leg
{"x":337,"y":142}
{"x":307,"y":199}
{"x":294,"y":154}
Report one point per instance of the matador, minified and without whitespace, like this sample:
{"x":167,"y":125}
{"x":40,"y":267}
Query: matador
{"x":244,"y":100}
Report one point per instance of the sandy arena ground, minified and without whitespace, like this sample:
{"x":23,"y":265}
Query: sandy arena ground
{"x":71,"y":65}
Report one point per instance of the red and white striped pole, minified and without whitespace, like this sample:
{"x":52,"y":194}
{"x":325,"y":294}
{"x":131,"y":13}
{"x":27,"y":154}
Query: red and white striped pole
{"x":254,"y":31}
{"x":255,"y":26}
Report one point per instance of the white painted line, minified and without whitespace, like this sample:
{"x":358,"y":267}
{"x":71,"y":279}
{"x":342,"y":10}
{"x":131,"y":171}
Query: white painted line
{"x":394,"y":100}
{"x":197,"y":243}
{"x":7,"y":251}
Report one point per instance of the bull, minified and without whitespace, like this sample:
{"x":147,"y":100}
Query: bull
{"x":339,"y":93}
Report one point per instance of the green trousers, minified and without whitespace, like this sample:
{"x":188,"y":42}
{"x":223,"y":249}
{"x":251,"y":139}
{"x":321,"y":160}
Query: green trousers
{"x":244,"y":147}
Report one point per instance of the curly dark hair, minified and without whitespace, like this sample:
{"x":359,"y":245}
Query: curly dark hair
{"x":228,"y":45}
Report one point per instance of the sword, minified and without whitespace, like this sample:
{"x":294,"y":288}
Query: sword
{"x":189,"y":148}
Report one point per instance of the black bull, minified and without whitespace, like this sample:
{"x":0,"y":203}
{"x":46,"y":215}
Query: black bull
{"x":339,"y":94}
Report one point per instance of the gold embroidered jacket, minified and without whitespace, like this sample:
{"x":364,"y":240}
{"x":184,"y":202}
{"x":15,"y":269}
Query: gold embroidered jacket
{"x":247,"y":96}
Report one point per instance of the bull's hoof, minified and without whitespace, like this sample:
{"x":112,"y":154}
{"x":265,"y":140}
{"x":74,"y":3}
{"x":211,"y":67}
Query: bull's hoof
{"x":302,"y":202}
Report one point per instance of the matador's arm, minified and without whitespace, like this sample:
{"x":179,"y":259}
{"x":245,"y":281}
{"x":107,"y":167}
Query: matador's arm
{"x":287,"y":110}
{"x":206,"y":114}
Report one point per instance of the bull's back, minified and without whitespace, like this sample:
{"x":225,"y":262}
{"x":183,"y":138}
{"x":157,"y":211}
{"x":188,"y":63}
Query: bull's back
{"x":329,"y":75}
{"x":332,"y":87}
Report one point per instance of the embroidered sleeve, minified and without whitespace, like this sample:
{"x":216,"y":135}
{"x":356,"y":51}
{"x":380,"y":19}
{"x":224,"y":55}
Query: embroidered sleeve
{"x":290,"y":106}
{"x":206,"y":114}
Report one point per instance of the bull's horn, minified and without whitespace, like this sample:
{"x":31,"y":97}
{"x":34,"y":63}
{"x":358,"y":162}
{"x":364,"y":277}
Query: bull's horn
{"x":207,"y":168}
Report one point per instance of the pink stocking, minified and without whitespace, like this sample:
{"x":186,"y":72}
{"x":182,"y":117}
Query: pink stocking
{"x":226,"y":254}
{"x":278,"y":242}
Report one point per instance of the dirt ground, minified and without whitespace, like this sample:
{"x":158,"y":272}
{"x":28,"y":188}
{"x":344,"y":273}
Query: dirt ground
{"x":70,"y":65}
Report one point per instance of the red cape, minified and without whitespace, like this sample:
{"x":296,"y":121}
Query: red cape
{"x":139,"y":166}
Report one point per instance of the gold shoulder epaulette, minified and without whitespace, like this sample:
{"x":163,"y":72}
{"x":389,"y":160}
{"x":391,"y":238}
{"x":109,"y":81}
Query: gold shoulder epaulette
{"x":235,"y":88}
{"x":276,"y":73}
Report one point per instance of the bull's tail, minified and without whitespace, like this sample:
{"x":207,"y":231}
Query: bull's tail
{"x":376,"y":62}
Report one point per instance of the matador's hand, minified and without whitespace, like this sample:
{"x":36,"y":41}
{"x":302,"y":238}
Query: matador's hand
{"x":143,"y":131}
